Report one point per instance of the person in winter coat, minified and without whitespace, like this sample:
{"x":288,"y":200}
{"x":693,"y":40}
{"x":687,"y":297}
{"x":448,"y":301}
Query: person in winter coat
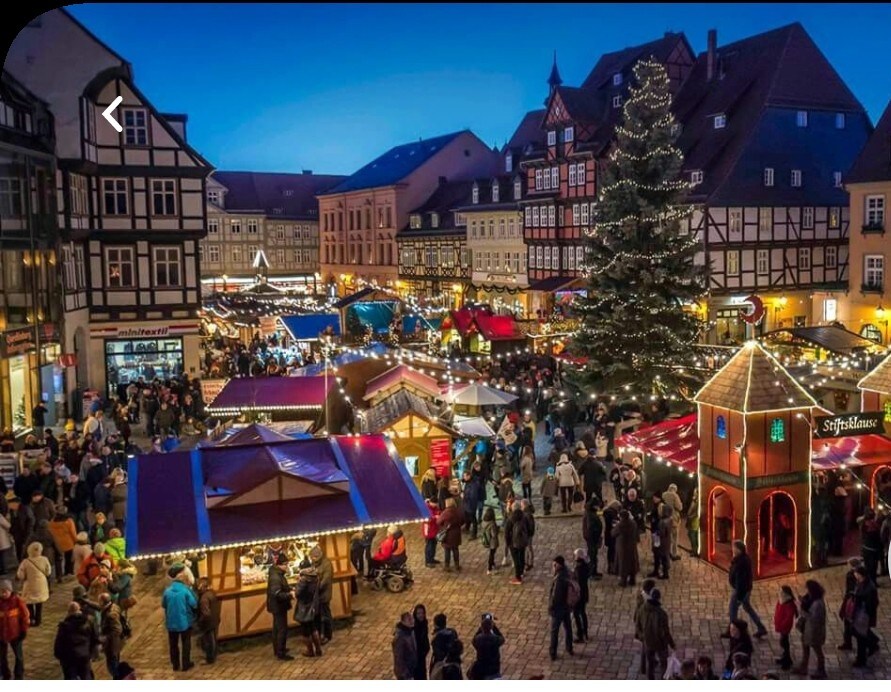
{"x":428,"y":485}
{"x":740,"y":642}
{"x":15,"y":619}
{"x":529,"y":512}
{"x":99,"y":531}
{"x":34,"y":572}
{"x":8,"y":558}
{"x":81,"y":551}
{"x":325,"y":571}
{"x":64,"y":535}
{"x":671,"y":499}
{"x":444,"y":640}
{"x":450,"y":520}
{"x":119,"y":499}
{"x":405,"y":651}
{"x":308,"y":610}
{"x":592,"y":531}
{"x":77,"y":501}
{"x":610,"y":520}
{"x":593,"y":475}
{"x":813,"y":633}
{"x":548,"y":490}
{"x":657,"y":639}
{"x":579,"y":612}
{"x":180,"y":605}
{"x":567,"y":481}
{"x":430,"y":529}
{"x":489,"y":536}
{"x":646,"y":588}
{"x":559,"y":608}
{"x":505,"y":492}
{"x":516,"y":536}
{"x":866,"y":608}
{"x":527,"y":466}
{"x":473,"y":492}
{"x":784,"y":616}
{"x":487,"y":643}
{"x":121,"y":585}
{"x":636,"y":509}
{"x":626,"y":533}
{"x":208,"y":623}
{"x":661,"y":532}
{"x":741,"y":578}
{"x":91,"y":566}
{"x":76,"y":642}
{"x":422,"y":641}
{"x":115,"y":545}
{"x":278,"y":602}
{"x":22,"y":525}
{"x":112,"y":634}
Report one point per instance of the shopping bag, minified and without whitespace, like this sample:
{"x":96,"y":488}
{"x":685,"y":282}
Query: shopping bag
{"x":672,"y":668}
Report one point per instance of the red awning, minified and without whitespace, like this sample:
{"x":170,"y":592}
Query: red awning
{"x":497,"y":327}
{"x":674,"y":441}
{"x":860,"y":450}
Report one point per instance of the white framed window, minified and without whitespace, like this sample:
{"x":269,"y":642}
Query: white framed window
{"x":735,"y":221}
{"x":80,"y":266}
{"x":252,"y":252}
{"x":213,"y":226}
{"x":732,"y":259}
{"x":509,"y":163}
{"x":434,"y":220}
{"x":511,"y":228}
{"x":839,"y":121}
{"x":496,"y":191}
{"x":460,"y":219}
{"x":538,"y":179}
{"x":552,"y":216}
{"x":762,"y":262}
{"x":834,"y":220}
{"x":617,"y":101}
{"x":830,"y":257}
{"x":572,"y":175}
{"x":115,"y":196}
{"x":796,"y":177}
{"x":580,"y":257}
{"x":236,"y":254}
{"x":576,"y":214}
{"x":552,"y":138}
{"x":487,"y":261}
{"x":720,"y":121}
{"x":547,"y":256}
{"x":119,"y":267}
{"x":68,"y":276}
{"x":765,"y":219}
{"x":531,"y":261}
{"x":252,"y":226}
{"x":617,"y":79}
{"x":584,"y":214}
{"x":491,"y":228}
{"x":546,"y":179}
{"x":135,"y":123}
{"x":768,"y":177}
{"x":475,"y":194}
{"x":568,"y":134}
{"x":539,"y":254}
{"x":804,"y":258}
{"x":79,"y":197}
{"x":801,"y":118}
{"x":836,"y":178}
{"x":502,"y":226}
{"x":280,"y":256}
{"x":518,"y":189}
{"x":164,"y":197}
{"x":875,"y":210}
{"x":213,"y":253}
{"x":569,"y":258}
{"x":279,"y":232}
{"x":213,"y":196}
{"x":535,"y":216}
{"x":695,"y":177}
{"x":166,"y":266}
{"x":807,"y":217}
{"x":528,"y":216}
{"x":580,"y":173}
{"x":235,"y":226}
{"x":874,"y":271}
{"x":555,"y":176}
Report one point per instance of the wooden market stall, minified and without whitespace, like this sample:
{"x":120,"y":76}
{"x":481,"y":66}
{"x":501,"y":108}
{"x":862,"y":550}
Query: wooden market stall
{"x":237,"y":504}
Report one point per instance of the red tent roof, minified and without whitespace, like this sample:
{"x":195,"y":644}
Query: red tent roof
{"x":675,"y":441}
{"x":859,"y":450}
{"x":497,"y":327}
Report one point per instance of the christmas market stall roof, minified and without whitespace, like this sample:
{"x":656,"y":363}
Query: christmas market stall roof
{"x":879,"y":380}
{"x":272,"y":393}
{"x":753,"y":381}
{"x":395,"y":407}
{"x":674,"y":441}
{"x":835,"y":339}
{"x":308,"y":327}
{"x":473,"y":426}
{"x":402,"y":376}
{"x":374,"y":350}
{"x":479,"y":395}
{"x":218,"y":497}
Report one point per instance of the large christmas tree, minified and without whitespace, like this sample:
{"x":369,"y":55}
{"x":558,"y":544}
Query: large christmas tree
{"x":637,"y":327}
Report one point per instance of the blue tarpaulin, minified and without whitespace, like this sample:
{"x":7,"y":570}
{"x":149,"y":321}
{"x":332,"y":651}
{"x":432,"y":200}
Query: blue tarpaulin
{"x":376,"y":315}
{"x":308,"y":327}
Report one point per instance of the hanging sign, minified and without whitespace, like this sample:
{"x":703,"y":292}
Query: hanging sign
{"x":16,"y":342}
{"x":849,"y":424}
{"x":756,"y":314}
{"x":210,"y":389}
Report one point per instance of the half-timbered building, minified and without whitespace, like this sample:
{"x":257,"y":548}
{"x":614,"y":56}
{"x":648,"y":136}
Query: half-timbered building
{"x":769,"y":130}
{"x":131,"y":208}
{"x":434,"y":262}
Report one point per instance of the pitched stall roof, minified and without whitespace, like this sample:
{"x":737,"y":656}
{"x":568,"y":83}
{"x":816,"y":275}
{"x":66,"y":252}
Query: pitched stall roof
{"x":874,"y":161}
{"x":252,"y":434}
{"x":278,"y":195}
{"x":879,"y":380}
{"x":212,"y":497}
{"x":265,"y":393}
{"x":393,"y":408}
{"x":831,"y":338}
{"x":399,"y":376}
{"x":675,"y":440}
{"x":753,"y":381}
{"x":309,"y":326}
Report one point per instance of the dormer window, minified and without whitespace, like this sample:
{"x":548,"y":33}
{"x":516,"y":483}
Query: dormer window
{"x":475,"y":194}
{"x":839,"y":121}
{"x":617,"y":79}
{"x":518,"y":189}
{"x":568,"y":134}
{"x":720,"y":121}
{"x":135,"y":127}
{"x":801,"y":118}
{"x":414,"y":221}
{"x":617,"y":101}
{"x":509,"y":163}
{"x":495,"y":192}
{"x":288,"y":193}
{"x":695,"y":177}
{"x":552,"y":138}
{"x":796,"y":178}
{"x":836,"y":178}
{"x":768,"y":177}
{"x":434,"y":220}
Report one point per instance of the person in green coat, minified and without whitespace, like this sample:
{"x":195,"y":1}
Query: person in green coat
{"x":116,"y":545}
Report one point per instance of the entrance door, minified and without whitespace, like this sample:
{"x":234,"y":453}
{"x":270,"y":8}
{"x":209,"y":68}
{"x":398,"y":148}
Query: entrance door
{"x":777,"y":535}
{"x":721,"y":526}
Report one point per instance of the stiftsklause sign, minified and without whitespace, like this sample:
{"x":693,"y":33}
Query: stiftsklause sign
{"x":849,"y":424}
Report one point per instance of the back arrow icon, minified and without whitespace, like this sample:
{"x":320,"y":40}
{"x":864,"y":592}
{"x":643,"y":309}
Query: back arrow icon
{"x":107,"y":114}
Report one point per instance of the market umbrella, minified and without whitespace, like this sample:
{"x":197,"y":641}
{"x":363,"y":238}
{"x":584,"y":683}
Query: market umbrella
{"x":480,"y":395}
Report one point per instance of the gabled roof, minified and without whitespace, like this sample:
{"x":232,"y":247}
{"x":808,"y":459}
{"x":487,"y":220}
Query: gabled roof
{"x":879,"y":380}
{"x":835,"y":339}
{"x":874,"y":161}
{"x":622,"y":61}
{"x":401,"y":375}
{"x":250,"y":435}
{"x":753,"y":381}
{"x":395,"y":407}
{"x":448,"y":196}
{"x":278,"y":195}
{"x":528,"y":132}
{"x":396,"y":164}
{"x":265,"y":393}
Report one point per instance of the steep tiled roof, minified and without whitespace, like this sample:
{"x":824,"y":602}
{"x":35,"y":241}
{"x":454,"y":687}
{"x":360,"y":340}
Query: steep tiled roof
{"x":874,"y":161}
{"x":396,"y":164}
{"x":879,"y":380}
{"x":280,"y":195}
{"x":753,"y":381}
{"x":447,"y":197}
{"x":528,"y":131}
{"x":623,"y":60}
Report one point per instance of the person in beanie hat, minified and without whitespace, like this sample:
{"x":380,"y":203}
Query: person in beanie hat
{"x":180,"y":605}
{"x":14,"y":622}
{"x":34,"y":573}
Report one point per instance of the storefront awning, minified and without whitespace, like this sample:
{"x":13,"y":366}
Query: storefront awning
{"x":674,"y":441}
{"x":308,"y":327}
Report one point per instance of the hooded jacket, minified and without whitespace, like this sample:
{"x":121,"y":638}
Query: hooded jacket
{"x":567,"y":477}
{"x":405,"y":652}
{"x":117,"y":548}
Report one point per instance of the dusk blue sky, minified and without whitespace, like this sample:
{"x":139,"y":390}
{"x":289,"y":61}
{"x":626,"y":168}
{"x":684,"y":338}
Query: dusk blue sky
{"x":329,"y":87}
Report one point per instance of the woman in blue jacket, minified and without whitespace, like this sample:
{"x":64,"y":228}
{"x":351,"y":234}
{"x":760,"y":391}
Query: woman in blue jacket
{"x":180,"y":606}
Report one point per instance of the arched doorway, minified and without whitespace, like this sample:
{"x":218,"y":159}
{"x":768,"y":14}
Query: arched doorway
{"x":721,"y":518}
{"x":777,"y":535}
{"x":880,"y":487}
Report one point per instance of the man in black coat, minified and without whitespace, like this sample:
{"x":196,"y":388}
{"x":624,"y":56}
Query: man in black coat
{"x":487,"y":642}
{"x":592,"y":530}
{"x":76,"y":642}
{"x":741,"y":579}
{"x":25,"y":484}
{"x":278,"y":602}
{"x":558,"y":607}
{"x":405,"y":649}
{"x":593,"y":475}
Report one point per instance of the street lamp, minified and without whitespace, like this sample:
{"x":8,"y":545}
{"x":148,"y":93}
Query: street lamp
{"x":882,"y":316}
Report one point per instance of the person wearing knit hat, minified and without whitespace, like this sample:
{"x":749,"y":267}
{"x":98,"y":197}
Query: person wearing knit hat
{"x":548,"y":490}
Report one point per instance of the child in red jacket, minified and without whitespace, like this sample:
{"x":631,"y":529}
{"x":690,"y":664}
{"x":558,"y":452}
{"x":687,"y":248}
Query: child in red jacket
{"x":430,"y":529}
{"x":784,"y":616}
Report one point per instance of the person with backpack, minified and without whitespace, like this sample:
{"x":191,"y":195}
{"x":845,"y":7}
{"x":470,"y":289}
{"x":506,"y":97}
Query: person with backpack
{"x":564,"y":596}
{"x":579,"y":613}
{"x":489,"y":538}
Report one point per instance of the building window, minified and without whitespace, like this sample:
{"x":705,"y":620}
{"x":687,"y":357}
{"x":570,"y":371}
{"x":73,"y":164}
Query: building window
{"x":389,"y":213}
{"x":434,"y":220}
{"x":721,"y":427}
{"x":796,"y":177}
{"x":11,"y":206}
{"x":720,"y":122}
{"x":213,"y":226}
{"x":552,"y":138}
{"x":236,"y":254}
{"x":166,"y":264}
{"x":414,"y":221}
{"x":475,"y":194}
{"x":547,"y":257}
{"x":555,"y":177}
{"x":580,"y":173}
{"x":801,"y":118}
{"x":765,"y":219}
{"x":552,"y":216}
{"x":763,"y":262}
{"x":834,"y":217}
{"x":875,"y":211}
{"x":501,"y":227}
{"x":576,"y":215}
{"x":569,"y":258}
{"x":874,"y":271}
{"x":460,"y":219}
{"x":508,"y":163}
{"x":695,"y":177}
{"x":115,"y":196}
{"x":252,"y":252}
{"x":546,"y":179}
{"x":768,"y":177}
{"x":617,"y":101}
{"x":735,"y":221}
{"x":584,"y":214}
{"x":252,"y":227}
{"x":78,"y":194}
{"x":213,"y":253}
{"x":535,"y":216}
{"x":804,"y":259}
{"x":213,"y":196}
{"x":235,"y":227}
{"x":163,"y":198}
{"x":831,"y":257}
{"x":280,"y":256}
{"x":617,"y":79}
{"x":839,"y":121}
{"x":518,"y":189}
{"x":777,"y":430}
{"x":496,"y":192}
{"x":531,"y":262}
{"x":279,"y":232}
{"x":119,"y":264}
{"x":807,"y":217}
{"x":538,"y":179}
{"x":733,"y":263}
{"x":568,"y":134}
{"x":511,"y":228}
{"x":579,"y":257}
{"x":135,"y":127}
{"x":539,"y":255}
{"x":572,"y":175}
{"x":528,"y":215}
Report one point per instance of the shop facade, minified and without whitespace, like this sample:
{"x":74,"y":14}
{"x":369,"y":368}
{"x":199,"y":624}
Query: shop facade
{"x":29,"y":373}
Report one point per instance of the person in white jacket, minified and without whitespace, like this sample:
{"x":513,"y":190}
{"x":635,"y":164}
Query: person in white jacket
{"x":34,"y":573}
{"x":567,"y":481}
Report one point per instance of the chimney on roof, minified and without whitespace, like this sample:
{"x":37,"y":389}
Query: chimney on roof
{"x":307,"y":171}
{"x":712,"y":55}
